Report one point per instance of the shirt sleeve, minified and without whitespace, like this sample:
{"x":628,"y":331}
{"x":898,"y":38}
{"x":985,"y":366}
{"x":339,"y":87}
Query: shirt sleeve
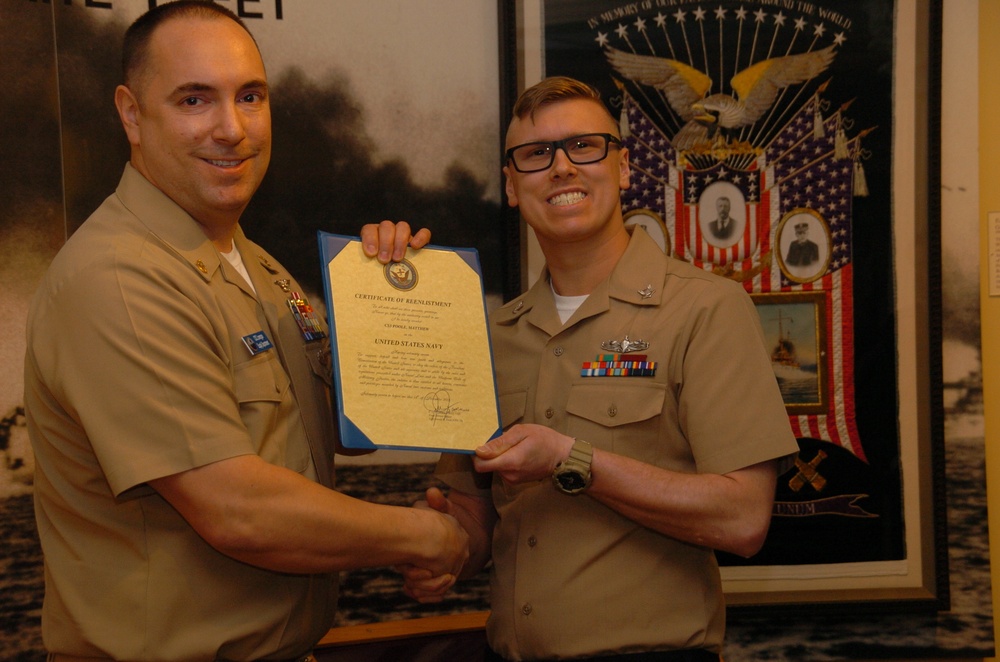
{"x":456,"y":471}
{"x":142,"y":360}
{"x":730,"y":406}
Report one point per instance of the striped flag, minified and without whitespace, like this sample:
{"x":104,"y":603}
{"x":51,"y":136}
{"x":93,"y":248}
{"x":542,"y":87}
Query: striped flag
{"x":802,"y":166}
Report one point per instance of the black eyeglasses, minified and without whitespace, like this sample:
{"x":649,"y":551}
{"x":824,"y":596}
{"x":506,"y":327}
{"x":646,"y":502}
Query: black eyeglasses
{"x":582,"y":149}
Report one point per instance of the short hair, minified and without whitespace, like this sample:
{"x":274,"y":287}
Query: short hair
{"x":553,"y":90}
{"x":135,"y":47}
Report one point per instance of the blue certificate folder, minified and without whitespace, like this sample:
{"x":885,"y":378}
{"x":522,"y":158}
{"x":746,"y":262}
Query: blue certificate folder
{"x":410,"y":346}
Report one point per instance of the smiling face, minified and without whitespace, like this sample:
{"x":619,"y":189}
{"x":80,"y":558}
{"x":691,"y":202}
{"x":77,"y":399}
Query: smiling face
{"x":198,"y":119}
{"x":567,"y":202}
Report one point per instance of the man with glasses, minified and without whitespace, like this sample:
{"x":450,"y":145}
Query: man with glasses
{"x":643,"y":420}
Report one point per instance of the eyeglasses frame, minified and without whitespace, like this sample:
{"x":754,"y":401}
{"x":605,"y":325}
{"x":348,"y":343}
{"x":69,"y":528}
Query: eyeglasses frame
{"x":610,"y":140}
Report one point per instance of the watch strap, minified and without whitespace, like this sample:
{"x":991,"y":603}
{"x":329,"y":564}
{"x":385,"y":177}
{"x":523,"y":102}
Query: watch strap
{"x":581,"y":453}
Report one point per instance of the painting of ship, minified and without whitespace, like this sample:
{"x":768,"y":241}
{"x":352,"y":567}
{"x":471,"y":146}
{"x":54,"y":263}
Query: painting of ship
{"x":784,"y":360}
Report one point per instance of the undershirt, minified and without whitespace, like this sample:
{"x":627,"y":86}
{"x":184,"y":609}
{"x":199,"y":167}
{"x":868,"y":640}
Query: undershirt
{"x":566,"y":306}
{"x":234,"y":258}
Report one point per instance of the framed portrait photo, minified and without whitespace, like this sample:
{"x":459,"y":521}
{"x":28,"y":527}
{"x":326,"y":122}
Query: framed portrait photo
{"x":804,"y":245}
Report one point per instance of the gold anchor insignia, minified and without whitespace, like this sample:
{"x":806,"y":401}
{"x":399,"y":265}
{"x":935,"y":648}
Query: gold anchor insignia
{"x":624,"y":346}
{"x":201,"y":267}
{"x":807,"y":474}
{"x":647,"y":292}
{"x":284,"y":284}
{"x":517,"y":308}
{"x":266,"y":264}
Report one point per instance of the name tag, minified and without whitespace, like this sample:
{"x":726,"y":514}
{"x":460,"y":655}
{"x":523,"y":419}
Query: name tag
{"x":257,"y":342}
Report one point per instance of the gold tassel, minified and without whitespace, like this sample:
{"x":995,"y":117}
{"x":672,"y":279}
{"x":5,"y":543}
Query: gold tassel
{"x":623,"y":122}
{"x":860,"y":183}
{"x":840,"y":144}
{"x":819,"y":131}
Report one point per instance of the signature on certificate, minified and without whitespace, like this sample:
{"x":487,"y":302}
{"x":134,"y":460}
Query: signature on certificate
{"x":438,"y":405}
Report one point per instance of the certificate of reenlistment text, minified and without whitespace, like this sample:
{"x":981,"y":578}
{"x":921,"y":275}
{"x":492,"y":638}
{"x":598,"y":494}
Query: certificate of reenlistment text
{"x":412,"y":366}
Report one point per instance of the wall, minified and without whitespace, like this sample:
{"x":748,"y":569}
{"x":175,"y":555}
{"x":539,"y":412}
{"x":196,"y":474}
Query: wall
{"x":989,"y":200}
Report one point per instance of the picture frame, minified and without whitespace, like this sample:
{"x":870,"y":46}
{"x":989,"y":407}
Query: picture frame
{"x":796,"y":229}
{"x":794,"y":325}
{"x":894,"y":329}
{"x":334,"y":167}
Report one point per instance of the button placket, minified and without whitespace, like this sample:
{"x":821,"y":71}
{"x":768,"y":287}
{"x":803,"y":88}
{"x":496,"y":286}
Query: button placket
{"x":548,"y":373}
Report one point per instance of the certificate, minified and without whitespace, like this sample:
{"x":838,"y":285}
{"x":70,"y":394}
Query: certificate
{"x":412,"y":366}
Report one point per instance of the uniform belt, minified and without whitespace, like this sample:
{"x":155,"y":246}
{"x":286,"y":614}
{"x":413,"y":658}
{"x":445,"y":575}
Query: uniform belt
{"x":60,"y":657}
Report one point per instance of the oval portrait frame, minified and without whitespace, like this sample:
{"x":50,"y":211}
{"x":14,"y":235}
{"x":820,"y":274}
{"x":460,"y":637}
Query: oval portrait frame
{"x":707,"y":212}
{"x":816,"y":231}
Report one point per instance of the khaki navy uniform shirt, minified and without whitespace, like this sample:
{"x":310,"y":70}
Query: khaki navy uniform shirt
{"x":570,"y":576}
{"x":137,"y":369}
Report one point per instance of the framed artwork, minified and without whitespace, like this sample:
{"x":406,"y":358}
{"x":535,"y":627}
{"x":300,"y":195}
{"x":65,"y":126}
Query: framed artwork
{"x":794,"y":325}
{"x":792,"y":147}
{"x":804,"y":245}
{"x":360,"y":133}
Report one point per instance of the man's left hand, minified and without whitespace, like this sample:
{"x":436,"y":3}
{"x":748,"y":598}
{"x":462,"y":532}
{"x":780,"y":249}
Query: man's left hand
{"x":524,"y":453}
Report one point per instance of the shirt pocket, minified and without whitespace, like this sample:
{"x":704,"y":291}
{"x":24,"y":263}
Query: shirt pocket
{"x":269,"y":413}
{"x":623,"y":417}
{"x":261,"y":379}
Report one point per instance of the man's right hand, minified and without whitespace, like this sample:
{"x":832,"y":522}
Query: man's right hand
{"x":431,"y":580}
{"x":388,"y":241}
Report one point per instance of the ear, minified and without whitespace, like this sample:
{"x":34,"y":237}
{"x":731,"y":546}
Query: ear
{"x":624,"y":172}
{"x":129,"y":112}
{"x":509,"y":186}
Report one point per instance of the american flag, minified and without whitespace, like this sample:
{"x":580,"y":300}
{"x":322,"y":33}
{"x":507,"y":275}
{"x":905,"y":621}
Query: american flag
{"x":808,"y":164}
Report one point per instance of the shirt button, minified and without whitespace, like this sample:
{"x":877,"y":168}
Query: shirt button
{"x":526,"y":609}
{"x":612,"y":411}
{"x":532,"y":541}
{"x":558,"y":351}
{"x":550,"y":412}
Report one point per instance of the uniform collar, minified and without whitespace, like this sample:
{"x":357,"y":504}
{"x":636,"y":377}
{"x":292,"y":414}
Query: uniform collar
{"x":638,"y":276}
{"x":164,"y":218}
{"x":265,"y":272}
{"x":637,"y":279}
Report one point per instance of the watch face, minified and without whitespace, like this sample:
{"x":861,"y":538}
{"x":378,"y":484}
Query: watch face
{"x":571,"y":480}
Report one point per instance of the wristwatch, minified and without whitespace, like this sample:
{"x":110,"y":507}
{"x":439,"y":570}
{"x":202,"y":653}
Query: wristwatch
{"x":572,"y":476}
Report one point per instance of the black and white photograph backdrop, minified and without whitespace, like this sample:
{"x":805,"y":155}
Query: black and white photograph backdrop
{"x":391,"y":109}
{"x":380,"y":110}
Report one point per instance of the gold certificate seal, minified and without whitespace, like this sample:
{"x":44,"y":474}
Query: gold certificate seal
{"x":401,"y":275}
